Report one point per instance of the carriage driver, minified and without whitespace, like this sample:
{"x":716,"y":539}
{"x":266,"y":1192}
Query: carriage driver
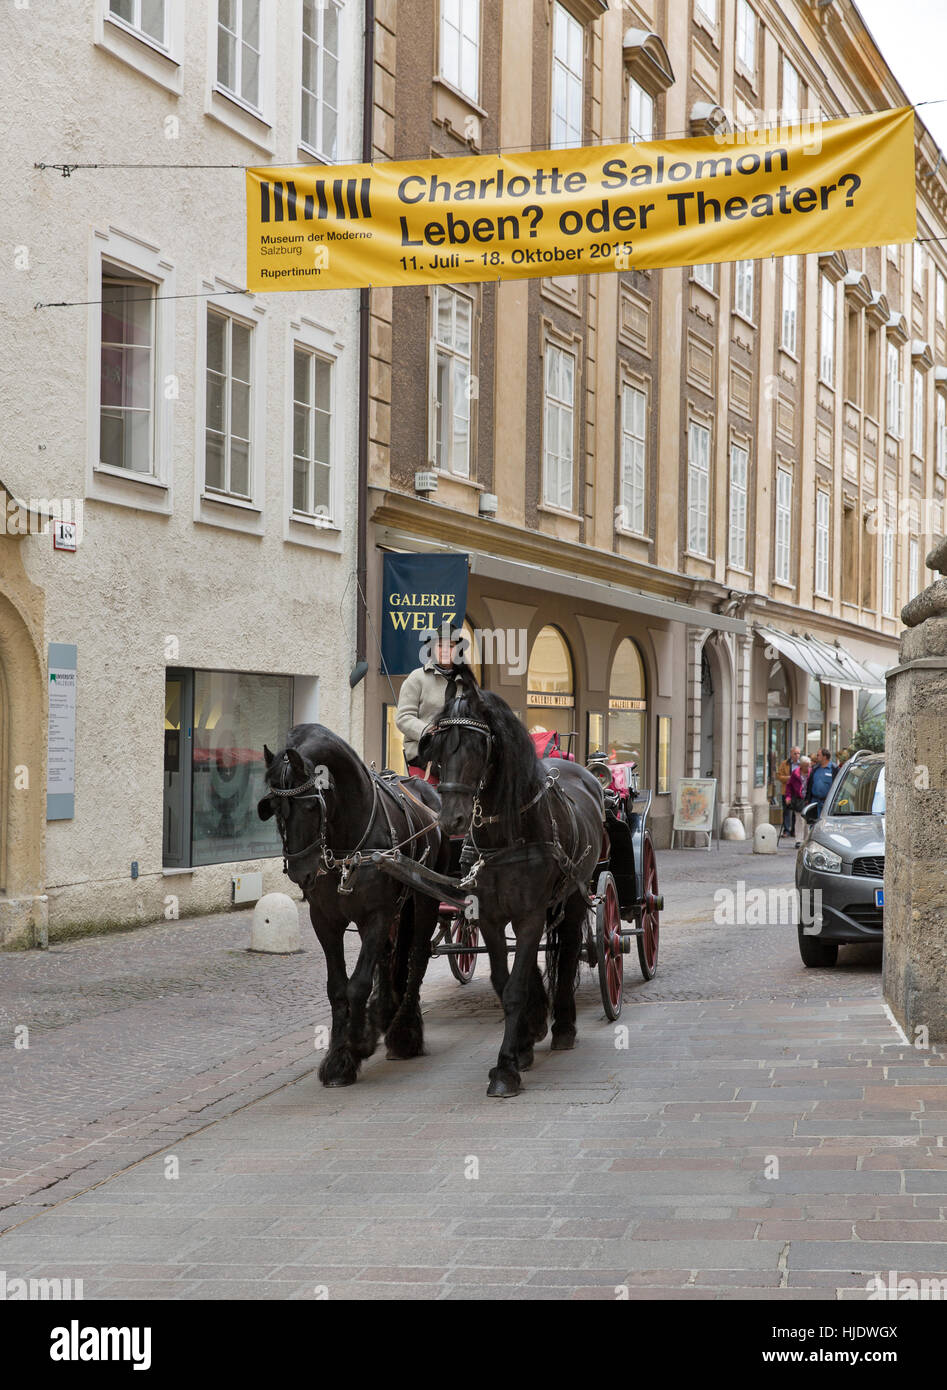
{"x":424,"y":691}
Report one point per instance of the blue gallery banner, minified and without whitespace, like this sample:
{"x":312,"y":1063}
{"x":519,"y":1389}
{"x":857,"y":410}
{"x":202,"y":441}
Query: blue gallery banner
{"x":419,"y":592}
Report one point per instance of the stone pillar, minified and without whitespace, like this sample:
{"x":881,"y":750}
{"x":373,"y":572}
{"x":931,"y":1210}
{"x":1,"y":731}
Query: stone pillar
{"x":696,"y":637}
{"x":742,"y":807}
{"x":915,"y":932}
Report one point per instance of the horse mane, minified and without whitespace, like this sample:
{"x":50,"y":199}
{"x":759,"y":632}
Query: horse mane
{"x":317,"y":744}
{"x":517,"y":773}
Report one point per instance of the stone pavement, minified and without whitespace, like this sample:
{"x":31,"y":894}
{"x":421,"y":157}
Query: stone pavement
{"x":748,"y":1129}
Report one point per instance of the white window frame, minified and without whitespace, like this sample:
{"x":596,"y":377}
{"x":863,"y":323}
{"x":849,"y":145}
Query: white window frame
{"x":468,"y":12}
{"x":133,"y":25}
{"x":317,"y":145}
{"x":566,"y":26}
{"x":705,"y":273}
{"x":744,"y":284}
{"x":160,"y":62}
{"x":941,"y":455}
{"x":747,"y":28}
{"x":914,"y":567}
{"x":641,"y":109}
{"x":707,"y":8}
{"x":791,"y":81}
{"x":233,"y":94}
{"x":941,"y":296}
{"x":918,"y":257}
{"x":826,"y":331}
{"x":563,"y":409}
{"x":449,"y":352}
{"x":823,"y":512}
{"x":301,"y":529}
{"x":231,"y":320}
{"x":894,"y":395}
{"x":739,"y":492}
{"x":918,"y":412}
{"x":790,"y":304}
{"x":782,"y":571}
{"x":634,"y":457}
{"x":698,"y":489}
{"x":887,"y":571}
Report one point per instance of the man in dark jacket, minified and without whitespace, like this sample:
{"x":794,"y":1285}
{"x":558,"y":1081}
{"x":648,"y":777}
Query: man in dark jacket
{"x":821,"y":778}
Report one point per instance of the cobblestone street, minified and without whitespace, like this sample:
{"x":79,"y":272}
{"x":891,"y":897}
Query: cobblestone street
{"x":648,"y":1166}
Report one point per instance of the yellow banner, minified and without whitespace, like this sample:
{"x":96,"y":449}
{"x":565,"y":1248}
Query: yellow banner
{"x":819,"y":187}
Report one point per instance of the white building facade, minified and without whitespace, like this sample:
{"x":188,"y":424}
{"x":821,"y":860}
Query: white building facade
{"x":202,"y":441}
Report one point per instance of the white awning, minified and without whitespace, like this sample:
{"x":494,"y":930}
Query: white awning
{"x":828,"y":663}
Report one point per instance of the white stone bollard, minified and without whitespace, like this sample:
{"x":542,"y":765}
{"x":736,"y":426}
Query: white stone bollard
{"x":275,"y":928}
{"x":732,"y":829}
{"x":764,"y":839}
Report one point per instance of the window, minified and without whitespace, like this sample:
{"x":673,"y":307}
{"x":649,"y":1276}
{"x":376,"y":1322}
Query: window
{"x":239,"y":49}
{"x":895,"y":394}
{"x":312,"y":433}
{"x":633,"y":410}
{"x":827,"y":331}
{"x":708,"y":8}
{"x":704,"y":275}
{"x":941,"y":293}
{"x":698,"y":489}
{"x":567,"y":55}
{"x":558,"y":430}
{"x":627,"y":705}
{"x":227,"y":412}
{"x":736,"y":543}
{"x":320,"y":77}
{"x":746,"y":35}
{"x":783,"y":525}
{"x":460,"y":45}
{"x":790,"y":302}
{"x":743,"y":291}
{"x":941,"y":435}
{"x":887,"y":571}
{"x":914,"y":567}
{"x":872,"y":369}
{"x":822,"y":543}
{"x":917,"y":412}
{"x":853,"y":341}
{"x":917,"y":268}
{"x":146,"y":17}
{"x":127,"y":372}
{"x":849,"y":555}
{"x":550,"y":686}
{"x":791,"y":110}
{"x":453,"y":334}
{"x":640,"y":112}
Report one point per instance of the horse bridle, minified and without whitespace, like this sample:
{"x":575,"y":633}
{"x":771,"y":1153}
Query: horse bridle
{"x":304,"y":792}
{"x":464,"y":722}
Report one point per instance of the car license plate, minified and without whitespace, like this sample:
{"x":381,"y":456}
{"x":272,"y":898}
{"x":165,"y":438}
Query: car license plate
{"x":879,"y":897}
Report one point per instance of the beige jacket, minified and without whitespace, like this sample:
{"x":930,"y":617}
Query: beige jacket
{"x":421,"y":700}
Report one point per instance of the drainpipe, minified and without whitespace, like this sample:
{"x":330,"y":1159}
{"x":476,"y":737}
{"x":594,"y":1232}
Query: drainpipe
{"x":364,"y":326}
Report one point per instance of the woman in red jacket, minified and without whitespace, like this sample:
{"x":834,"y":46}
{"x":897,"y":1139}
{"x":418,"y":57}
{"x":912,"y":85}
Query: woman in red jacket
{"x":794,"y":795}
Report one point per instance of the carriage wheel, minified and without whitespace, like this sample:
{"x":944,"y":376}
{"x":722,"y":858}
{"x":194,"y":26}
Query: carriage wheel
{"x":464,"y":963}
{"x":649,"y":920}
{"x":608,"y":945}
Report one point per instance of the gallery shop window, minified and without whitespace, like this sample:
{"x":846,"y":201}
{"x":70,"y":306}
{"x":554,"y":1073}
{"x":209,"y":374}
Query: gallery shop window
{"x":215,"y":726}
{"x":127,"y":393}
{"x":312,"y":433}
{"x":633,"y":412}
{"x":567,"y":64}
{"x":239,"y":48}
{"x":736,"y":541}
{"x":627,"y":706}
{"x":146,"y":17}
{"x":558,"y":426}
{"x":227,"y":414}
{"x":453,"y":381}
{"x":550,"y":685}
{"x":320,"y":77}
{"x":460,"y":46}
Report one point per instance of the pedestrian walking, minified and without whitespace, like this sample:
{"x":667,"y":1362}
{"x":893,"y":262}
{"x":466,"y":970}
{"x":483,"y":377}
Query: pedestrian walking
{"x":783,"y":774}
{"x":795,"y":797}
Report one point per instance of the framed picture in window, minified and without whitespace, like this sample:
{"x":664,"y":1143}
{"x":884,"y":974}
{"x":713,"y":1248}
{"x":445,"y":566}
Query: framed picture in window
{"x":663,"y":765}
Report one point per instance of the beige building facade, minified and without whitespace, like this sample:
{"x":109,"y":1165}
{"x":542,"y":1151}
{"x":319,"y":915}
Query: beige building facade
{"x":668,"y":482}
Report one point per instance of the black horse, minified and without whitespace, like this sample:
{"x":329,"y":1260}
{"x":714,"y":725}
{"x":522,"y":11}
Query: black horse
{"x":332,"y":812}
{"x":535,"y":829}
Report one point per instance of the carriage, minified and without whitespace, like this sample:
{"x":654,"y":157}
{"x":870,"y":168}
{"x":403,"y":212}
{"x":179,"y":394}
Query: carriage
{"x":624,"y":905}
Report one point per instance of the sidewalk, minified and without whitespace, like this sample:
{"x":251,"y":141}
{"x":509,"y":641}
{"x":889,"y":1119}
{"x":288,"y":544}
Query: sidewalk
{"x":759,"y":1131}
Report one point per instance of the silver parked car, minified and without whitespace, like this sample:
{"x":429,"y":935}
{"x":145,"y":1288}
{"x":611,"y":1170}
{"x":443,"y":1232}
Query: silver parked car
{"x":843,"y":861}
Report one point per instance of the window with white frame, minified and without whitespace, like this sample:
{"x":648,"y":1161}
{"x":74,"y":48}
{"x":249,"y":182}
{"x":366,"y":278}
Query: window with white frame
{"x":558,"y":426}
{"x":941,"y":434}
{"x":568,"y":46}
{"x":822,"y":504}
{"x":746,"y":35}
{"x":460,"y":45}
{"x":918,"y":420}
{"x":827,"y":330}
{"x":640,"y":112}
{"x":239,"y":49}
{"x":736,"y":540}
{"x":705,"y":275}
{"x":452,"y":393}
{"x":312,"y":433}
{"x":633,"y":450}
{"x":708,"y":8}
{"x":790,"y":303}
{"x":792,"y":89}
{"x":917,"y":268}
{"x":319,"y":126}
{"x":127,"y":372}
{"x":894,"y":403}
{"x":941,"y":297}
{"x":914,"y":567}
{"x":227,"y":410}
{"x":887,"y":570}
{"x":743,"y":289}
{"x":147,"y":17}
{"x":698,"y":489}
{"x":783,"y":525}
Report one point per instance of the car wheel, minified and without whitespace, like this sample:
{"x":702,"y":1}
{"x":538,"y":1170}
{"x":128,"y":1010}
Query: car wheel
{"x":815,"y":952}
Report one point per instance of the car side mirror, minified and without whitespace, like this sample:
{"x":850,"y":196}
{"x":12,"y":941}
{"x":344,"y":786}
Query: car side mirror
{"x":810,"y":813}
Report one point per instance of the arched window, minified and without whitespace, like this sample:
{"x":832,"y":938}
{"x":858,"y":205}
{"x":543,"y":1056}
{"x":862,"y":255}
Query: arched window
{"x":550,"y":685}
{"x":627,"y":705}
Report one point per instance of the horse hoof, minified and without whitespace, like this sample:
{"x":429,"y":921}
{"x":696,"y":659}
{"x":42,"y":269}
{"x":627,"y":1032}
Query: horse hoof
{"x":339,"y":1070}
{"x":340,"y":1081}
{"x":502,"y":1087}
{"x":525,"y":1059}
{"x":562,"y":1042}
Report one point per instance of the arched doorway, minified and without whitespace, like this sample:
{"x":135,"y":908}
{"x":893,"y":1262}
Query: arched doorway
{"x":22,"y":746}
{"x":778,"y":720}
{"x":708,"y":712}
{"x":627,"y":706}
{"x":550,"y":685}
